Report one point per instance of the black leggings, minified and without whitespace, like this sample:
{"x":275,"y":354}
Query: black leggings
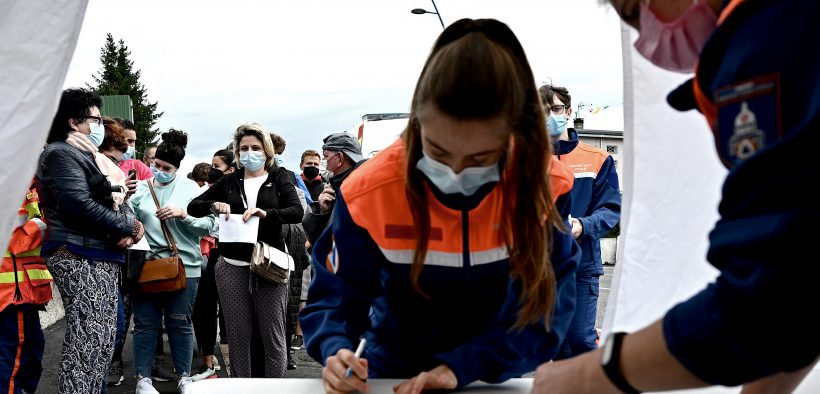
{"x":205,"y":308}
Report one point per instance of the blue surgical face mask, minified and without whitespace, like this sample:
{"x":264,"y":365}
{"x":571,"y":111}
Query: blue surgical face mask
{"x":279,"y":161}
{"x":253,"y":161}
{"x":164,"y":177}
{"x":97,"y":134}
{"x":154,"y":170}
{"x":129,"y":153}
{"x":556,"y":124}
{"x":466,"y":182}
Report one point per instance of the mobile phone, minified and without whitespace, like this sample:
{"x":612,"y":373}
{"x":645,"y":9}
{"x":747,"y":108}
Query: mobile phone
{"x":132,"y":173}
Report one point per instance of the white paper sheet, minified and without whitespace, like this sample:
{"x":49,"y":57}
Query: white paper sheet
{"x":141,"y":245}
{"x":235,"y":230}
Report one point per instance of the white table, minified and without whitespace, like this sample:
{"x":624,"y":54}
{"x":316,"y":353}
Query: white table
{"x":377,"y":386}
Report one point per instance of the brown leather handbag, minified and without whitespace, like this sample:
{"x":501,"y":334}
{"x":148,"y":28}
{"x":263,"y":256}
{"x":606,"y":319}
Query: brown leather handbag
{"x":160,"y":275}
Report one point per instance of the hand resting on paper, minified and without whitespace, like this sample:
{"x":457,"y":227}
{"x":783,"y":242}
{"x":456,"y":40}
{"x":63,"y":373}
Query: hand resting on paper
{"x":438,"y":378}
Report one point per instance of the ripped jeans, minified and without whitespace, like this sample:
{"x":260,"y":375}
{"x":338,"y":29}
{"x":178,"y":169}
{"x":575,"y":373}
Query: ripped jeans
{"x":149,"y":310}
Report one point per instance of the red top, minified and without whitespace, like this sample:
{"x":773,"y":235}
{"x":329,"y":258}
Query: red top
{"x":143,"y":171}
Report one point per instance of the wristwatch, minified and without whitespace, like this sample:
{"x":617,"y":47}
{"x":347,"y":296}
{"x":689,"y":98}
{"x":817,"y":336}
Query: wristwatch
{"x":611,"y":362}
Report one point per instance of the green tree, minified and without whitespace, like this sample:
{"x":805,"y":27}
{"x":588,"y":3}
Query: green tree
{"x":117,"y":76}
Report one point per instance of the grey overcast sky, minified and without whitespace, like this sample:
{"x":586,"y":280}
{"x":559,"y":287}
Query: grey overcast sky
{"x":307,"y":68}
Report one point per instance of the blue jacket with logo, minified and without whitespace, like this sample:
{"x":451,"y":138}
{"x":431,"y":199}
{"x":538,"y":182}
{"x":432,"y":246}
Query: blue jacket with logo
{"x":760,"y":92}
{"x":595,"y":199}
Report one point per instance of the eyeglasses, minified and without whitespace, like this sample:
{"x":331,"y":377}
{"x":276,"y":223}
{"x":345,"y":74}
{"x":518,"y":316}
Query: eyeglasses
{"x":558,"y":109}
{"x":98,"y":119}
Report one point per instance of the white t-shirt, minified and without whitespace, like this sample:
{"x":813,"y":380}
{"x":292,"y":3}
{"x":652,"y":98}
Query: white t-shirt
{"x":252,"y":187}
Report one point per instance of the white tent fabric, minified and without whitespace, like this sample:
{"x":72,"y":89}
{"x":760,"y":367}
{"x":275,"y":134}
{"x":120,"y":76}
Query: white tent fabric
{"x":38,"y":39}
{"x":673,"y":181}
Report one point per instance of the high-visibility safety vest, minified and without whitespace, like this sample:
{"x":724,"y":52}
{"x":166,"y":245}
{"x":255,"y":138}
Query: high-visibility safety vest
{"x":24,"y":278}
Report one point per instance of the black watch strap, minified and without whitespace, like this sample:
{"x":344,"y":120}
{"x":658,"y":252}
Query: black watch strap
{"x":612,"y":365}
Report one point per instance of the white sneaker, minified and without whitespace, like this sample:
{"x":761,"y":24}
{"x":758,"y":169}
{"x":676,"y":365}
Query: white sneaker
{"x":184,"y":382}
{"x":145,"y":386}
{"x":204,"y":373}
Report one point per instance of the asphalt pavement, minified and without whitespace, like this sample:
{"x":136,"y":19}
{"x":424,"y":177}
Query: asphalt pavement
{"x":305,"y":366}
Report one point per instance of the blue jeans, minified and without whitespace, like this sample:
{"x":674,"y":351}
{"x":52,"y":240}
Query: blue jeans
{"x":177,"y":308}
{"x":582,"y":335}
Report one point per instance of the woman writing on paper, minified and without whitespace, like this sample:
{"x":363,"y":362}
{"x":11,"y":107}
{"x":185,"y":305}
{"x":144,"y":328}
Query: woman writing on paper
{"x":263,"y":190}
{"x":444,"y":251}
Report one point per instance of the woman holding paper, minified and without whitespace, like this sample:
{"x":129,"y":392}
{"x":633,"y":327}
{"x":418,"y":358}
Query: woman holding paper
{"x":260,"y":195}
{"x":445,"y":251}
{"x":173,"y":193}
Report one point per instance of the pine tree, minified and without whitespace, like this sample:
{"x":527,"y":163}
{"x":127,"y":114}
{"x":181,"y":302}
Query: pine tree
{"x":117,"y":76}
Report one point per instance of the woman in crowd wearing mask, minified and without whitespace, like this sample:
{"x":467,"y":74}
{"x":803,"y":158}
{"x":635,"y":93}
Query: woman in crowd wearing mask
{"x":444,"y":251}
{"x":86,"y":236}
{"x":263,"y":190}
{"x":207,"y":298}
{"x":173,"y":193}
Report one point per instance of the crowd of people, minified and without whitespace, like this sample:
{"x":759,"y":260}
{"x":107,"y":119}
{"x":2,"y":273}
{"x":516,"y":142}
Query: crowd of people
{"x":466,"y":250}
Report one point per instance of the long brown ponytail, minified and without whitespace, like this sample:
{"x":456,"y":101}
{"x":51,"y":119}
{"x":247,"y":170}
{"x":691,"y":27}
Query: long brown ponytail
{"x":478,"y":70}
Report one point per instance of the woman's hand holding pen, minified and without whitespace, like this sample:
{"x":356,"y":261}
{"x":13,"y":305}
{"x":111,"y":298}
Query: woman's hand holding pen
{"x":335,"y":371}
{"x":438,"y":378}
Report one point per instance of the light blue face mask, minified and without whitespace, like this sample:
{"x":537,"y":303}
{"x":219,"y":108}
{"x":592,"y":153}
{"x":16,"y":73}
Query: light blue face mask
{"x":154,"y":170}
{"x":253,"y":161}
{"x":97,"y":134}
{"x":164,"y":177}
{"x":556,"y":124}
{"x":466,"y":182}
{"x":128,"y":153}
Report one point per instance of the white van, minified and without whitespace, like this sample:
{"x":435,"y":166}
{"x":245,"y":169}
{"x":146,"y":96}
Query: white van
{"x":378,"y":131}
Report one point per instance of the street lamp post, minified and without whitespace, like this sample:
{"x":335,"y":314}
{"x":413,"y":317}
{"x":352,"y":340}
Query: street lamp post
{"x":421,"y":11}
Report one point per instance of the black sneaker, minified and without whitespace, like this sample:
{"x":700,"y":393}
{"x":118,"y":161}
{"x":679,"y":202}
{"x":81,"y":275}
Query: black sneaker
{"x":297,"y":342}
{"x":291,"y":363}
{"x":115,"y":376}
{"x":159,"y":373}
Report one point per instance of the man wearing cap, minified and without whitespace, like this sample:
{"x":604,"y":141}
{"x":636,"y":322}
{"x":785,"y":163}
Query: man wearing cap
{"x":343,"y":155}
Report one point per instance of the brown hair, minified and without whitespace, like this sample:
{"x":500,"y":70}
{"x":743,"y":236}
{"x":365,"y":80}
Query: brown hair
{"x":114,"y":136}
{"x":478,"y":70}
{"x":279,"y":143}
{"x":200,"y":172}
{"x":548,"y":92}
{"x":309,"y":152}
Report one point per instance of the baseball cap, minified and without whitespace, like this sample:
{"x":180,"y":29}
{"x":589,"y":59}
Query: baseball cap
{"x":345,"y":143}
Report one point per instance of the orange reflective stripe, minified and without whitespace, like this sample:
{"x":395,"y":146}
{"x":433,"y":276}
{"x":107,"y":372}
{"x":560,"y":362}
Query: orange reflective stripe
{"x":704,"y":102}
{"x":728,"y":10}
{"x":21,"y":338}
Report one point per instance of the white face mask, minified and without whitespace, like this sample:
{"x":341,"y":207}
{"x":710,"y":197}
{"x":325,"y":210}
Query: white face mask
{"x":129,"y":153}
{"x":466,"y":182}
{"x":97,"y":134}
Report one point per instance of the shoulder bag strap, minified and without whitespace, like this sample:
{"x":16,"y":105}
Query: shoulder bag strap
{"x":169,"y":238}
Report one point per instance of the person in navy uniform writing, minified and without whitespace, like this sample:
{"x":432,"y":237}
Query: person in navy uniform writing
{"x":444,"y":251}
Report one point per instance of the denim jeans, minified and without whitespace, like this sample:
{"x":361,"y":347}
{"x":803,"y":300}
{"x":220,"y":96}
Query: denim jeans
{"x":177,"y":308}
{"x":581,"y":335}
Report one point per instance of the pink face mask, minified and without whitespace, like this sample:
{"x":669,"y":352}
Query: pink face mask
{"x":676,"y":45}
